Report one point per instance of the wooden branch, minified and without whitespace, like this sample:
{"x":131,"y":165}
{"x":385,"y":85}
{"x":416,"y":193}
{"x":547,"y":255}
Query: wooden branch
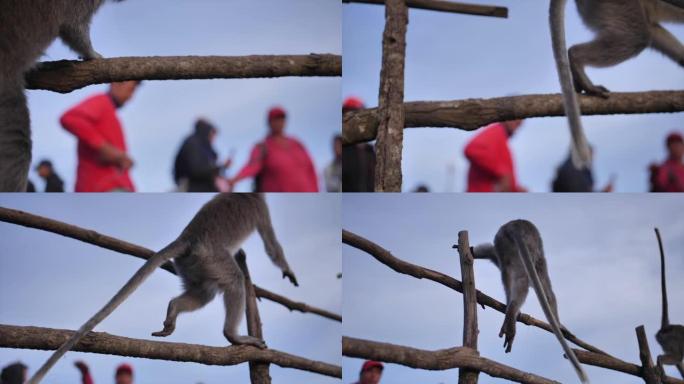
{"x":470,"y":329}
{"x":612,"y":363}
{"x":12,"y":336}
{"x":447,"y":6}
{"x":460,"y":357}
{"x":29,"y":220}
{"x":384,"y":256}
{"x":390,"y":136}
{"x":258,"y":371}
{"x":648,"y":373}
{"x":471,"y":114}
{"x":68,"y":75}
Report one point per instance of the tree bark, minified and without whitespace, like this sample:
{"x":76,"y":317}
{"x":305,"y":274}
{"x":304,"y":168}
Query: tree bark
{"x":470,"y":330}
{"x":446,"y":6}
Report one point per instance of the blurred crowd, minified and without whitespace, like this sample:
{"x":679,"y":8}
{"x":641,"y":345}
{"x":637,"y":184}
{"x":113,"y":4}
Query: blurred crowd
{"x":17,"y":373}
{"x":277,"y":163}
{"x":491,"y":164}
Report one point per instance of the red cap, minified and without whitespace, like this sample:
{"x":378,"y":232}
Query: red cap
{"x":352,"y":103}
{"x":370,"y":364}
{"x":674,"y":137}
{"x":276,"y":112}
{"x":124,"y":368}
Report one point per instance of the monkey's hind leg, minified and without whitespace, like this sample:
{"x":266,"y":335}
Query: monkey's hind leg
{"x":234,"y":301}
{"x":516,"y":293}
{"x":190,"y":300}
{"x":77,"y":37}
{"x":667,"y":44}
{"x":15,"y":136}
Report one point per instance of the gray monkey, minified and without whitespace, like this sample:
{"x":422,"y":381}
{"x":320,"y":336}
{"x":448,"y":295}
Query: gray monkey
{"x":518,"y":252}
{"x":27,"y":28}
{"x":204,"y":257}
{"x":623,"y":29}
{"x":670,"y":336}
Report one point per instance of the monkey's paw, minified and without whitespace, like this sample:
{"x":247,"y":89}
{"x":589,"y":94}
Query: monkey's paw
{"x":248,"y":340}
{"x":164,"y":332}
{"x":597,"y":90}
{"x":92,"y":55}
{"x":290,"y":276}
{"x":509,"y":332}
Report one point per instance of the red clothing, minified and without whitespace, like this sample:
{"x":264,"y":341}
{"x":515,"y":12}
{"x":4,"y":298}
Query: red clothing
{"x":490,"y":159}
{"x":670,"y":176}
{"x":94,"y":123}
{"x":283,"y":164}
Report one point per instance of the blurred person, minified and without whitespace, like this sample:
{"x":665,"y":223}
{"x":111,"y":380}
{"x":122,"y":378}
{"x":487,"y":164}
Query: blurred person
{"x":53,"y":183}
{"x":122,"y":375}
{"x":371,"y":372}
{"x":279,"y":163}
{"x":571,"y":179}
{"x":103,"y":163}
{"x":15,"y":373}
{"x":195,"y":168}
{"x":333,"y":172}
{"x":491,"y":161}
{"x":421,"y":188}
{"x":30,"y":187}
{"x":669,"y":176}
{"x":358,"y":160}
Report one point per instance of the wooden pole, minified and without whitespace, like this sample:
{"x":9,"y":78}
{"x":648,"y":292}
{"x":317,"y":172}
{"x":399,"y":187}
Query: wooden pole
{"x":470,"y":329}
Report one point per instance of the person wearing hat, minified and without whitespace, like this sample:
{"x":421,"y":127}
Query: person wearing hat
{"x":669,"y":176}
{"x":103,"y":163}
{"x":358,"y":160}
{"x":371,"y":372}
{"x":53,"y":183}
{"x":14,"y":374}
{"x":122,"y":375}
{"x":195,"y":168}
{"x":279,"y":163}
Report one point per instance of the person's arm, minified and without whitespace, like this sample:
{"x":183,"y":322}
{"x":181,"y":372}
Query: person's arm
{"x":85,"y":372}
{"x":253,"y":166}
{"x":310,"y":169}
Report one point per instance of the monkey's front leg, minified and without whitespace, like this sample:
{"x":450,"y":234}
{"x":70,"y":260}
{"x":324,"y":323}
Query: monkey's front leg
{"x":77,"y":37}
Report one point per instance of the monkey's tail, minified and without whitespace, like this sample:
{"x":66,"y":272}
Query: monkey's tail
{"x":172,"y":250}
{"x":581,"y":154}
{"x":663,"y":285}
{"x":543,"y":300}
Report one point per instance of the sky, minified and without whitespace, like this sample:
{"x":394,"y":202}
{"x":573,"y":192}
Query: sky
{"x":602,"y":258}
{"x":452,"y":57}
{"x":51,"y":281}
{"x":162,"y":113}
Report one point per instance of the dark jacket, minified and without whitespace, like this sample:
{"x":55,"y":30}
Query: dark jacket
{"x":571,"y":179}
{"x":195,"y":162}
{"x":54,"y":183}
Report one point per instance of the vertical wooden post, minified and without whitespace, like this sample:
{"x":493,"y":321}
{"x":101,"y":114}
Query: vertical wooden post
{"x":391,"y":98}
{"x":648,"y":372}
{"x":470,"y":331}
{"x":258,"y":371}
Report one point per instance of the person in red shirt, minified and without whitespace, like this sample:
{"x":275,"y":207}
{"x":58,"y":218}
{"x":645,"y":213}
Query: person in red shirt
{"x":123,"y":375}
{"x":491,"y":162}
{"x":669,"y":176}
{"x":103,"y":163}
{"x":279,"y":163}
{"x":371,"y":372}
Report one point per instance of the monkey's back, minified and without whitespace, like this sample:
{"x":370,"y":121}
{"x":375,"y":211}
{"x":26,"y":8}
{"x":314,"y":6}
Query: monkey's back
{"x":507,"y":250}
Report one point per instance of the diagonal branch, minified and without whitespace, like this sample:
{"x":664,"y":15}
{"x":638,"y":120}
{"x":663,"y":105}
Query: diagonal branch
{"x":66,"y":75}
{"x":92,"y":237}
{"x":460,"y":357}
{"x":401,"y":266}
{"x":471,"y":114}
{"x":447,"y":6}
{"x":12,"y":336}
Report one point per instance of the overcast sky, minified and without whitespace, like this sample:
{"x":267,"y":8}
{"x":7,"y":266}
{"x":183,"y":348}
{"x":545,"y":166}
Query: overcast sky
{"x":602,"y":257}
{"x":450,"y":57}
{"x":51,"y":281}
{"x":162,"y":113}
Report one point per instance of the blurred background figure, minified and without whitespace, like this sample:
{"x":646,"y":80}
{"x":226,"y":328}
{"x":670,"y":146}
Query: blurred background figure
{"x":371,"y":372}
{"x":421,"y":188}
{"x":669,"y":176}
{"x":570,"y":179}
{"x":358,"y":160}
{"x":279,"y":163}
{"x":53,"y":183}
{"x":332,"y":174}
{"x":122,"y":375}
{"x":30,"y":187}
{"x":491,"y":161}
{"x":195,"y":168}
{"x":14,"y":374}
{"x":102,"y":160}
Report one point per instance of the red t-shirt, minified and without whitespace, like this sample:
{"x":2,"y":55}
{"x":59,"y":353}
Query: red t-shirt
{"x":490,"y":159}
{"x":283,"y":164}
{"x":94,"y":123}
{"x":671,"y":176}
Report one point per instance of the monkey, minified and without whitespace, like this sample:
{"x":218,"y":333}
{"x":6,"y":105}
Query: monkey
{"x":518,"y":252}
{"x":623,"y":29}
{"x":27,"y":28}
{"x":670,"y":336}
{"x":204,"y":258}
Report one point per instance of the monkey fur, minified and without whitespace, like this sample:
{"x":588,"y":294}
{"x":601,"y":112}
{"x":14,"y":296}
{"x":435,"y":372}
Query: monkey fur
{"x":204,"y":258}
{"x":519,"y":254}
